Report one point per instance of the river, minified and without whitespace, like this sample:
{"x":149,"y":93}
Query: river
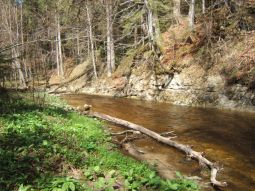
{"x":225,"y":136}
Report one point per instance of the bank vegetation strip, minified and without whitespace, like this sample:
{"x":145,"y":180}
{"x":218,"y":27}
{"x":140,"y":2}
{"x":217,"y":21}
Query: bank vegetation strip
{"x":45,"y":146}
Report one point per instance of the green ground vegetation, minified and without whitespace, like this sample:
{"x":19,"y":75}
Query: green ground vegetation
{"x":43,"y":146}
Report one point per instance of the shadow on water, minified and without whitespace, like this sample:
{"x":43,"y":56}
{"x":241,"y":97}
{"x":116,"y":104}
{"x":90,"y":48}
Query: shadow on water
{"x":225,"y":136}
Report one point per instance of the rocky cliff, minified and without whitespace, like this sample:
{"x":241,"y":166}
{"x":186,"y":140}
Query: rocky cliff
{"x":193,"y":87}
{"x":187,"y":73}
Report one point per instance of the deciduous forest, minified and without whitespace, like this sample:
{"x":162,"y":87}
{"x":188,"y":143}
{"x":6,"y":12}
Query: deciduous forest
{"x":57,"y":55}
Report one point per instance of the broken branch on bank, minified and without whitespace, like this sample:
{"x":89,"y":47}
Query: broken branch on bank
{"x":125,"y":132}
{"x":184,"y":148}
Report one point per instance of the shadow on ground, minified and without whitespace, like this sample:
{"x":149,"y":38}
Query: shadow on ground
{"x":25,"y":153}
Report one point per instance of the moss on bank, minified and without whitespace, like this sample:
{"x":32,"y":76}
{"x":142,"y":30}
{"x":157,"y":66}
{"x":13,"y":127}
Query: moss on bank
{"x":49,"y":148}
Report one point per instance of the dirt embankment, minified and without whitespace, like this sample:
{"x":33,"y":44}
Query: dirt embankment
{"x":194,"y":69}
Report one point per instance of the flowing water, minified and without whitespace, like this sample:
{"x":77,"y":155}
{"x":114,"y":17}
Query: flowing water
{"x":225,"y":136}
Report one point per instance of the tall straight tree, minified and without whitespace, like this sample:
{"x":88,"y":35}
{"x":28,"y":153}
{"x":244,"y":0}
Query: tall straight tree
{"x":22,"y":39}
{"x":192,"y":14}
{"x":153,"y":30}
{"x":177,"y":10}
{"x":149,"y":20}
{"x":59,"y":48}
{"x":91,"y":38}
{"x":9,"y":12}
{"x":110,"y":40}
{"x":203,"y":6}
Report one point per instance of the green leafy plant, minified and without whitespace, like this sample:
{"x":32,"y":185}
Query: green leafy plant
{"x":52,"y":149}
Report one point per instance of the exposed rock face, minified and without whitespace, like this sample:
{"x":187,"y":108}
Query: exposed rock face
{"x":193,"y":86}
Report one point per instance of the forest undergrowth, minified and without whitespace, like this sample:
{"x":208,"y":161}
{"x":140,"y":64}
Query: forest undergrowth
{"x":44,"y":146}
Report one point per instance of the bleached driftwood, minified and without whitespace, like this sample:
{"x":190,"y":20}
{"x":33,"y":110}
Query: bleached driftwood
{"x":168,"y":141}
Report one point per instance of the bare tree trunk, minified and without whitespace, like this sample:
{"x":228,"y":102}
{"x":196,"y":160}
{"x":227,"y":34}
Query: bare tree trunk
{"x":57,"y":57}
{"x":153,"y":29}
{"x":110,"y":40}
{"x":78,"y":46}
{"x":143,"y":27}
{"x":14,"y":50}
{"x":135,"y":35}
{"x":203,"y":6}
{"x":156,"y":27}
{"x":109,"y":67}
{"x":30,"y":70}
{"x":192,"y":14}
{"x":22,"y":41}
{"x":88,"y":44}
{"x":112,"y":53}
{"x":177,"y":10}
{"x":149,"y":21}
{"x":61,"y":66}
{"x":18,"y":66}
{"x":91,"y":40}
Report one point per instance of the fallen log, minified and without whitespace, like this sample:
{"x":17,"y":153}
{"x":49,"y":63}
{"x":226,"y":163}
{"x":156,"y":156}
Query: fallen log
{"x":184,"y":148}
{"x":60,"y":85}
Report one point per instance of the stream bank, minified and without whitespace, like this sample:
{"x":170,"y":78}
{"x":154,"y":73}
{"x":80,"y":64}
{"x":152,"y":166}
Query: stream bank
{"x":178,"y":88}
{"x":47,"y":146}
{"x":225,"y":136}
{"x":193,"y":86}
{"x":181,"y":76}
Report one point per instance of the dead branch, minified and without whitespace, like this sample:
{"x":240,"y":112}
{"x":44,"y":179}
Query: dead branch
{"x":168,"y":133}
{"x":125,"y":132}
{"x":132,"y":149}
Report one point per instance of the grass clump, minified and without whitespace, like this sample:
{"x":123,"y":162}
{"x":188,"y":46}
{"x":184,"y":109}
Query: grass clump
{"x":51,"y":149}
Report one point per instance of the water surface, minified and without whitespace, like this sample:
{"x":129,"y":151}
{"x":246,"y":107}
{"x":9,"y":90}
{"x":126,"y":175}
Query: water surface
{"x":225,"y":136}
